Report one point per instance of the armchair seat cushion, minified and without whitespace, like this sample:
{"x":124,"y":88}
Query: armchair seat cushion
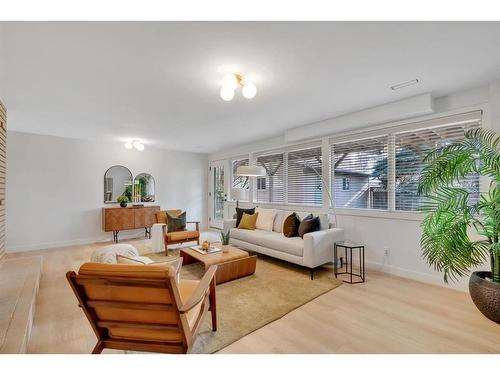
{"x":183,"y":235}
{"x":186,"y":289}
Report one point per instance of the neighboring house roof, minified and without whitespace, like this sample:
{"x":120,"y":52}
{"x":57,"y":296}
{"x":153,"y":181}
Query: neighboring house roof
{"x":347,"y":172}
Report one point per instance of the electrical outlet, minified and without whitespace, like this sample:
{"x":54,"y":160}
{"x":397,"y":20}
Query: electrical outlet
{"x":386,"y":252}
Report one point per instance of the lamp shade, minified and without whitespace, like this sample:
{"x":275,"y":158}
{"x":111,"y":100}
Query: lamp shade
{"x":251,"y":170}
{"x":238,"y":194}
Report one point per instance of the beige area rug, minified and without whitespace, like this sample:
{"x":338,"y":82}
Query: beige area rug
{"x":249,"y":303}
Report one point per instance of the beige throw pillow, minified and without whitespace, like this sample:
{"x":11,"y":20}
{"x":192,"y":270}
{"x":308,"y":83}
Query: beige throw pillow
{"x":265,"y":219}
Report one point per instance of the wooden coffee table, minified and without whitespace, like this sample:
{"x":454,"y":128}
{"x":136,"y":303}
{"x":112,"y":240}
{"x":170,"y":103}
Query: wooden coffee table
{"x":232,"y":264}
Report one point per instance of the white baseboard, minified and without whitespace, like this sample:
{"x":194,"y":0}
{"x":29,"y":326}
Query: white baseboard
{"x":415,"y":275}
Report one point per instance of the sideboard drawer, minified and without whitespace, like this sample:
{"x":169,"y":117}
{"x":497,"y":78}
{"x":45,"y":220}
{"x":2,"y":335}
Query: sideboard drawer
{"x":118,"y":219}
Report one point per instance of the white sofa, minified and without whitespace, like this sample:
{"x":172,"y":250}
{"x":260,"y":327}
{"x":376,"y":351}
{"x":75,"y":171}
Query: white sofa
{"x":314,"y":250}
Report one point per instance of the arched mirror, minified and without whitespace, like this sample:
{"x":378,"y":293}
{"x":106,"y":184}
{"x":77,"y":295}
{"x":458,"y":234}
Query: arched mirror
{"x":117,"y":182}
{"x":144,"y":188}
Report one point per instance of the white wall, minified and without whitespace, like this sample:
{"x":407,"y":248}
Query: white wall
{"x":397,"y":234}
{"x":55,"y":188}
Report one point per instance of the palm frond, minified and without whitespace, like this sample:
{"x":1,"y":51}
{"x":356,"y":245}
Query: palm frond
{"x":445,"y":242}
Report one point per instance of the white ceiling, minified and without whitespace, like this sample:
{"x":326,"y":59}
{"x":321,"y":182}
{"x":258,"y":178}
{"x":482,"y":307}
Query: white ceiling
{"x":159,"y":81}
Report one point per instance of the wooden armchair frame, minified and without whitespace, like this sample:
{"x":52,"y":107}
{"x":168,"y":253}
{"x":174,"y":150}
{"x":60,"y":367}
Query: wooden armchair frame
{"x":190,"y":235}
{"x":103,"y":328}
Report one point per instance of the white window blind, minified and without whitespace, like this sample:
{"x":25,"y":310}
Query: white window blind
{"x":360,"y":173}
{"x":273,"y":189}
{"x":413,"y":146}
{"x":239,"y":182}
{"x":304,"y":179}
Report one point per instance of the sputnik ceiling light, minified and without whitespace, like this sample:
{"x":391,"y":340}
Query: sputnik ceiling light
{"x":230,"y":82}
{"x":138,"y":145}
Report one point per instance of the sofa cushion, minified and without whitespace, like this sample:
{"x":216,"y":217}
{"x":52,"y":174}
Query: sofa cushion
{"x":278,"y":221}
{"x":309,"y":224}
{"x":248,"y":221}
{"x":265,"y":218}
{"x":176,"y":223}
{"x":291,"y":226}
{"x":241,"y":211}
{"x":271,"y":240}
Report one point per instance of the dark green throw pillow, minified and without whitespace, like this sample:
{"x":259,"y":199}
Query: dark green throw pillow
{"x":308,"y":224}
{"x":241,"y":211}
{"x":291,"y":226}
{"x":176,"y":223}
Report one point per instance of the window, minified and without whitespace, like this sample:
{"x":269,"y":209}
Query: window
{"x":360,"y":173}
{"x":240,"y":182}
{"x":273,"y":184}
{"x":261,"y":183}
{"x":304,"y":177}
{"x":413,"y":146}
{"x":346,"y":183}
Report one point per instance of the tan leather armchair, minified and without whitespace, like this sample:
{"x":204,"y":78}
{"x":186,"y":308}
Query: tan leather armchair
{"x":181,"y":236}
{"x":143,"y":308}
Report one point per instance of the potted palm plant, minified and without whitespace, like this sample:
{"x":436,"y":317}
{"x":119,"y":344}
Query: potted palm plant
{"x":460,"y":233}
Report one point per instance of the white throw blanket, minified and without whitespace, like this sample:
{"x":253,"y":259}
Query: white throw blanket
{"x":157,"y":233}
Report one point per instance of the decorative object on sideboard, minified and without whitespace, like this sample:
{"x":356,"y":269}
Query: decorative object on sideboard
{"x":123,"y":200}
{"x":144,"y":188}
{"x":230,"y":82}
{"x":117,"y":182}
{"x":451,"y":215}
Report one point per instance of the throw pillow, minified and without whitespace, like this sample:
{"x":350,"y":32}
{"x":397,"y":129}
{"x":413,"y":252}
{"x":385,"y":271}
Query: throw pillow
{"x":308,"y":224}
{"x":265,"y":219}
{"x":240,"y":212}
{"x":248,"y":221}
{"x":107,"y":254}
{"x":291,"y":226}
{"x":176,"y":223}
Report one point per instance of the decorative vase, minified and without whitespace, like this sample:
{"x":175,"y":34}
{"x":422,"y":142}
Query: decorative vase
{"x":123,"y":204}
{"x":485,"y":294}
{"x":225,"y":248}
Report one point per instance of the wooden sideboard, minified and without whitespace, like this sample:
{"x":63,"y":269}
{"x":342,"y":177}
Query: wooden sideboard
{"x":115,"y":219}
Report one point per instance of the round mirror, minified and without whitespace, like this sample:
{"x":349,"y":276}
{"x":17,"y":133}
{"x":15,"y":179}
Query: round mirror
{"x":117,"y":183}
{"x":144,"y":188}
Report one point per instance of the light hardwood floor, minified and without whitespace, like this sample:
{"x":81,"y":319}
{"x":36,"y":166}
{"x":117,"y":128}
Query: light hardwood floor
{"x":385,"y":315}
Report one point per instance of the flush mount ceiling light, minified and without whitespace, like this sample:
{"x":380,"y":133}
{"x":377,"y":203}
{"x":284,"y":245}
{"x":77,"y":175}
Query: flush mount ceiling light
{"x":404,"y":84}
{"x":230,"y":82}
{"x":138,"y":145}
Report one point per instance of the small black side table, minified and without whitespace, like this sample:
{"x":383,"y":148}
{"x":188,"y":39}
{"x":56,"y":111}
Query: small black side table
{"x":348,"y":247}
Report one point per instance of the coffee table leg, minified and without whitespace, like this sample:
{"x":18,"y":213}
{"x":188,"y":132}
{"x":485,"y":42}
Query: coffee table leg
{"x":188,"y":259}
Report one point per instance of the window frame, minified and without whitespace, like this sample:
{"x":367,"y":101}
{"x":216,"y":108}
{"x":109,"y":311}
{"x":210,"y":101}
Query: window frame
{"x":388,"y":128}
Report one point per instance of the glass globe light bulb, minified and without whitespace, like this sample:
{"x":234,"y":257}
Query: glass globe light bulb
{"x":138,"y":145}
{"x":227,"y":94}
{"x":230,"y":81}
{"x":249,"y":90}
